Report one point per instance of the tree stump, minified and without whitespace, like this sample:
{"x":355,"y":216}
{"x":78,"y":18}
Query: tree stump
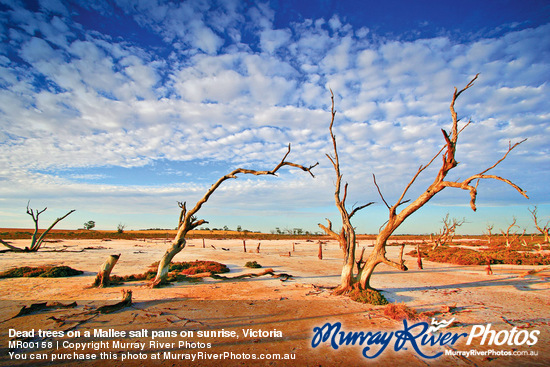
{"x":488,"y":268}
{"x":102,"y":278}
{"x":419,"y":260}
{"x":320,"y":254}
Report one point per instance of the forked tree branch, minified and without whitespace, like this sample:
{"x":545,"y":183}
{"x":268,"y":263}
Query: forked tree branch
{"x":234,"y":173}
{"x":35,"y":242}
{"x":449,"y":162}
{"x":328,"y":229}
{"x":543,"y":230}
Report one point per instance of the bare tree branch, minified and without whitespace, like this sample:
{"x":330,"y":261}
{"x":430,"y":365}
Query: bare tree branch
{"x":188,"y":219}
{"x":35,"y":243}
{"x":328,"y":229}
{"x":543,"y":230}
{"x":360,"y":208}
{"x":380,"y":192}
{"x":439,"y":183}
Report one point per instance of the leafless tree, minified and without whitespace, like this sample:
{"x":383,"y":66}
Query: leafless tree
{"x":489,"y":234}
{"x":396,"y":218}
{"x":447,"y":232}
{"x":189,"y":221}
{"x":36,"y":241}
{"x":512,"y":237}
{"x":346,"y":238}
{"x":543,"y":230}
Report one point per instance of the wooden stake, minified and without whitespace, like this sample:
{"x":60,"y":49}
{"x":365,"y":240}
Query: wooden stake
{"x":419,"y":260}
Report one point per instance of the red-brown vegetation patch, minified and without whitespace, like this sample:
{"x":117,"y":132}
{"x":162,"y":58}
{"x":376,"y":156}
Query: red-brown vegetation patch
{"x":179,"y":271}
{"x":464,"y":256}
{"x":41,"y":271}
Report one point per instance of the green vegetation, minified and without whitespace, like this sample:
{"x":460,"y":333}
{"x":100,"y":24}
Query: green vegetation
{"x":252,"y":264}
{"x":89,"y":225}
{"x":41,"y":271}
{"x":370,"y":296}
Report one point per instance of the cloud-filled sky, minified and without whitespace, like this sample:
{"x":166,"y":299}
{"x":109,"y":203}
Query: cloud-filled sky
{"x":121,"y":108}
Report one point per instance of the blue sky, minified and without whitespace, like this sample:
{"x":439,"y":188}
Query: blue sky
{"x":119,"y":109}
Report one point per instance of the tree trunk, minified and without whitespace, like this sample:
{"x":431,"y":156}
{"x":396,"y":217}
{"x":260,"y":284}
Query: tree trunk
{"x":102,"y":278}
{"x":377,"y":256}
{"x":347,"y":280}
{"x":366,"y":272}
{"x":164,"y":264}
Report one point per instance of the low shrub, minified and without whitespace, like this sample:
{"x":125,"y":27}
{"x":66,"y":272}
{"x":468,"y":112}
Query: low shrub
{"x":369,"y":296}
{"x":41,"y":271}
{"x":252,"y":264}
{"x":400,"y":311}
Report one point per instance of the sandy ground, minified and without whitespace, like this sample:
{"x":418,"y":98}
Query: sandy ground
{"x":294,"y":308}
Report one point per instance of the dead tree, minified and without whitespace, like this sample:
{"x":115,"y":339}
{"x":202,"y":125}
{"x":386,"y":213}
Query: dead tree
{"x":513,"y":237}
{"x":542,"y":230}
{"x":396,"y":218}
{"x":346,"y":238}
{"x":189,"y":221}
{"x":489,"y":232}
{"x":103,"y":276}
{"x":447,"y":232}
{"x":36,"y":241}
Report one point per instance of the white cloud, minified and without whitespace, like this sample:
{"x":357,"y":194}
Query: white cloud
{"x":271,"y":40}
{"x":86,"y":100}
